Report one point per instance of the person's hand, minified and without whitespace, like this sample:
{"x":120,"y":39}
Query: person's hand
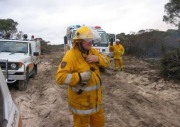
{"x":92,"y":59}
{"x":85,"y":76}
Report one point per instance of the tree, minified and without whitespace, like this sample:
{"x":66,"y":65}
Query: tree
{"x":172,"y":10}
{"x":8,"y":26}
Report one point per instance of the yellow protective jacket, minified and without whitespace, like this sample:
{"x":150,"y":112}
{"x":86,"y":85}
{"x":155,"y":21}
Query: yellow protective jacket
{"x":90,"y":100}
{"x":118,"y":51}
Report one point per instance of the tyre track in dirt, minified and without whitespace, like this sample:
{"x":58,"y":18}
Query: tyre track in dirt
{"x":137,"y":103}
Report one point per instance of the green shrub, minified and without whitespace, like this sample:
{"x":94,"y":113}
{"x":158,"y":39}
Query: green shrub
{"x":170,"y":64}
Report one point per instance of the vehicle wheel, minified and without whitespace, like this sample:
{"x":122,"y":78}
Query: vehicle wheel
{"x":22,"y":84}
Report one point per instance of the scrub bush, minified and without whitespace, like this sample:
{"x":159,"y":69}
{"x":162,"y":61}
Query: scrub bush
{"x":170,"y":65}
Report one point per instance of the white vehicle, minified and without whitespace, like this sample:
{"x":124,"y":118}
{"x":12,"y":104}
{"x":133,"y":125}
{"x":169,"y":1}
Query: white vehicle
{"x":9,"y":114}
{"x":102,"y":46}
{"x":21,"y":58}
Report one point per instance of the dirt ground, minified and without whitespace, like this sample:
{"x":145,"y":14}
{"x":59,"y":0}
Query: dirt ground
{"x":135,"y":97}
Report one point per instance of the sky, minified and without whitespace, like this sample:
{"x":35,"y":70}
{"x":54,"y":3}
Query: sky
{"x":49,"y":19}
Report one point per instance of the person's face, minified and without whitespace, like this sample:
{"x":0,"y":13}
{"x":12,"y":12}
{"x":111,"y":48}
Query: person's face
{"x":117,"y":42}
{"x":87,"y":45}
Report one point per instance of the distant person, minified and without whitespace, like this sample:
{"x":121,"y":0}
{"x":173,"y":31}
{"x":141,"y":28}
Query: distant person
{"x":80,"y":70}
{"x":118,"y":52}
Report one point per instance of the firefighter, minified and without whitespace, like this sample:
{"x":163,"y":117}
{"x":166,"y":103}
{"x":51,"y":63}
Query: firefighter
{"x":118,"y":51}
{"x":79,"y":69}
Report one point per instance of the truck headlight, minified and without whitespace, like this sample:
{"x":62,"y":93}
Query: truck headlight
{"x":13,"y":66}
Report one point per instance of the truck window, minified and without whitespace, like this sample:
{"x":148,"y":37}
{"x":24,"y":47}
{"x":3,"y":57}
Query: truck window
{"x":16,"y":47}
{"x":1,"y":107}
{"x":103,"y":38}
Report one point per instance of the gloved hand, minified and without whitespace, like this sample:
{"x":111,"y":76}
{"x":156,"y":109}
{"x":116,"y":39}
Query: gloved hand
{"x":85,"y":76}
{"x":92,"y":59}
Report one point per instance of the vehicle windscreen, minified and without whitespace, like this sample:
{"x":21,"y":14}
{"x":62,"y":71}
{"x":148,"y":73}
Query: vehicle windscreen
{"x":103,"y":42}
{"x":14,"y":47}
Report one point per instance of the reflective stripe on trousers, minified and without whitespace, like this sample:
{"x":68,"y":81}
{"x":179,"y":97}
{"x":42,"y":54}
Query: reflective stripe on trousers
{"x":85,"y":112}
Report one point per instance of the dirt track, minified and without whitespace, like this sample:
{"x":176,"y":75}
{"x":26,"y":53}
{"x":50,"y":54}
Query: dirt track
{"x":136,"y":97}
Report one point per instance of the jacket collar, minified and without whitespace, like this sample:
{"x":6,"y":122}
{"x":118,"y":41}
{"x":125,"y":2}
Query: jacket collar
{"x":81,"y":57}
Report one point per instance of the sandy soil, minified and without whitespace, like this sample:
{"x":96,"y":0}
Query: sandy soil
{"x":135,"y":97}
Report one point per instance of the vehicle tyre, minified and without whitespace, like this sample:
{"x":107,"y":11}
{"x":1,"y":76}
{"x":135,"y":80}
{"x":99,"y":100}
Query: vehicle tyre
{"x":22,"y":84}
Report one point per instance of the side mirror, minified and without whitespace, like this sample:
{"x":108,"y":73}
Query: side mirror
{"x":35,"y":53}
{"x":65,"y":39}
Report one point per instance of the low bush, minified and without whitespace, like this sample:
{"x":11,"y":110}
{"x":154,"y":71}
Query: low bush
{"x":170,"y":65}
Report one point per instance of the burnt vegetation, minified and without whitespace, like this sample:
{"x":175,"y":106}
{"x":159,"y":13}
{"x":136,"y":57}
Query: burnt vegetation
{"x":163,"y":48}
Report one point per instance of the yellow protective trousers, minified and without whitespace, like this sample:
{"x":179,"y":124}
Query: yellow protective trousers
{"x":94,"y":120}
{"x":118,"y":64}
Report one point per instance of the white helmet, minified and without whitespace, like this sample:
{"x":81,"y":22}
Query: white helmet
{"x":117,"y":40}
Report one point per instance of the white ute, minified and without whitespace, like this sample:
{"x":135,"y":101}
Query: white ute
{"x":9,"y":113}
{"x":20,"y":58}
